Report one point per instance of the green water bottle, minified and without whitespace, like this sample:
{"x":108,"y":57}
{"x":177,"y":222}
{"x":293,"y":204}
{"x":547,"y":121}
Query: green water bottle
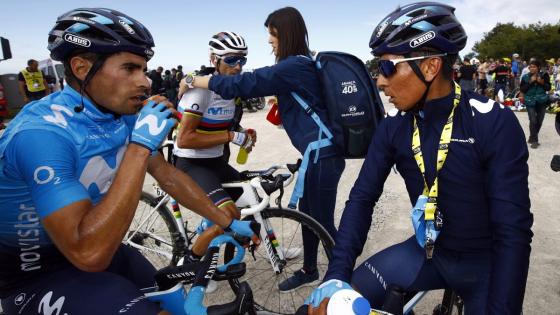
{"x":243,"y":153}
{"x":242,"y":156}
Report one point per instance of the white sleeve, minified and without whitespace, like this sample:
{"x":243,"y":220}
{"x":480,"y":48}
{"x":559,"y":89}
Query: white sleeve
{"x":194,"y":101}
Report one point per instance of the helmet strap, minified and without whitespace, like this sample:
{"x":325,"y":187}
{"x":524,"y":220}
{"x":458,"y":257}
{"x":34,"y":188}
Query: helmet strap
{"x":420,"y":104}
{"x":97,"y":64}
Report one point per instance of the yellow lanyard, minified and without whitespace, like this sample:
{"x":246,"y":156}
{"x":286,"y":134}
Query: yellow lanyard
{"x":443,"y":148}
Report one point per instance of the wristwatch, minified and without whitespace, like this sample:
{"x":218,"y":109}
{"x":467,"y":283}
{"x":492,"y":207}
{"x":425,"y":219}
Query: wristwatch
{"x":189,"y":80}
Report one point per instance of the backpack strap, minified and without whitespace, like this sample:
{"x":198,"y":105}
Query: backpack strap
{"x":312,"y":146}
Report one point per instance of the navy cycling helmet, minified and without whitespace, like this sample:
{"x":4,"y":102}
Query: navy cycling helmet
{"x":98,"y":30}
{"x":418,"y":26}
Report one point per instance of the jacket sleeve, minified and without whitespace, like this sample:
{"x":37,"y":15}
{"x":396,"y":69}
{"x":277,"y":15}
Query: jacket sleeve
{"x":356,"y":219}
{"x":505,"y":156}
{"x":278,"y":79}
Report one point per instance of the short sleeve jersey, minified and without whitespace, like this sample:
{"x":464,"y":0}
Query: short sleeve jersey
{"x":216,"y":115}
{"x":50,"y":157}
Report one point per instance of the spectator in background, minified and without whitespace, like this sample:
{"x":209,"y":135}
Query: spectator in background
{"x":169,"y":86}
{"x":503,"y":73}
{"x":534,"y":87}
{"x":557,"y":74}
{"x":180,"y":73}
{"x":32,"y":84}
{"x":482,"y":81}
{"x":466,"y":75}
{"x":157,"y":81}
{"x":515,"y":71}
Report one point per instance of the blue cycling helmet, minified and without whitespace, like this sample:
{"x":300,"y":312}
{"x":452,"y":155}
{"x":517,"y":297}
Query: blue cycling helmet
{"x":98,"y":30}
{"x":417,"y":26}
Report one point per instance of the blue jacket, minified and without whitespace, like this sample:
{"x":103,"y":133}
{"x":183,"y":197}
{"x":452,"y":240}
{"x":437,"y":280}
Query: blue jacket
{"x":293,"y":74}
{"x":483,"y":188}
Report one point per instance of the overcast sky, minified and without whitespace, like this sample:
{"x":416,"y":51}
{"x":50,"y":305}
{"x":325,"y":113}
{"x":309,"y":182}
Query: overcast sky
{"x":181,"y":29}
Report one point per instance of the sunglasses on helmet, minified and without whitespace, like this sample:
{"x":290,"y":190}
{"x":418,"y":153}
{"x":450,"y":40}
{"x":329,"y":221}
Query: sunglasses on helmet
{"x":388,"y":67}
{"x":233,"y":61}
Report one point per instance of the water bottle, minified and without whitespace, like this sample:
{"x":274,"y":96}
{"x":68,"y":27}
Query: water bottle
{"x":348,"y":302}
{"x":243,"y":154}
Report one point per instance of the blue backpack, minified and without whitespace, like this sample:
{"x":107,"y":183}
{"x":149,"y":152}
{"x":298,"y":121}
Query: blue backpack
{"x":352,"y":101}
{"x":353,"y":106}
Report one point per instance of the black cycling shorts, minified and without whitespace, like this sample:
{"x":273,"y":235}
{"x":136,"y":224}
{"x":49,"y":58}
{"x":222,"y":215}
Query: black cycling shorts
{"x":209,"y":174}
{"x":72,"y":291}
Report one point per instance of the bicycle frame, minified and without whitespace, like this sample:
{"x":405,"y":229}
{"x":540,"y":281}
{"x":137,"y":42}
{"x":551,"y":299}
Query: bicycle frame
{"x":248,"y":203}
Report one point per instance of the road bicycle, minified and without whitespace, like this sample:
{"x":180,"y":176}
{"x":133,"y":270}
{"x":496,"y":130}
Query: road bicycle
{"x":163,"y":235}
{"x":169,"y":290}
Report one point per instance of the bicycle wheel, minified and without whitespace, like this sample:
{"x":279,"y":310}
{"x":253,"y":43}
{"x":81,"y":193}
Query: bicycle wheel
{"x":155,"y":233}
{"x":263,"y":280}
{"x":451,"y":304}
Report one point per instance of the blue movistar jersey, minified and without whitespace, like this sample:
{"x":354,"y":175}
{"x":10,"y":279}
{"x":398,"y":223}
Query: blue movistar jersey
{"x":483,"y":188}
{"x":51,"y":156}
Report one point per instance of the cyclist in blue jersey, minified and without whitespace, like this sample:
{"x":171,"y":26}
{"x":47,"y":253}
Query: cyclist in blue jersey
{"x":72,"y":168}
{"x":294,"y":71}
{"x":463,"y":159}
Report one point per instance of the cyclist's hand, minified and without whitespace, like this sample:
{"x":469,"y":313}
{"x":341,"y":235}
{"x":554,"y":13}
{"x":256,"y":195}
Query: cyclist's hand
{"x":153,"y":124}
{"x":243,"y":139}
{"x":244,"y":231}
{"x":318,"y":299}
{"x":204,"y":224}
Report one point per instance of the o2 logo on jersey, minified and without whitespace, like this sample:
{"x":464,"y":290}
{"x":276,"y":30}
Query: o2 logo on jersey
{"x":57,"y":118}
{"x":152,"y":122}
{"x":44,"y":175}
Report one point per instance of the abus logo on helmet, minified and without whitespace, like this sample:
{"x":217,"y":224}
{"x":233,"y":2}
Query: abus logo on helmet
{"x":77,"y":40}
{"x":422,"y":39}
{"x":126,"y":27}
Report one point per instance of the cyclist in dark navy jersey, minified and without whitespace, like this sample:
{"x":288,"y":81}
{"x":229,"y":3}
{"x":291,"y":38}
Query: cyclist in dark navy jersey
{"x":72,"y":166}
{"x":463,"y":159}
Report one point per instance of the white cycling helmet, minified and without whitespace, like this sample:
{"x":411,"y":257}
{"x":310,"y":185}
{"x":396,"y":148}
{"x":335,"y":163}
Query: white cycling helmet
{"x":227,"y":43}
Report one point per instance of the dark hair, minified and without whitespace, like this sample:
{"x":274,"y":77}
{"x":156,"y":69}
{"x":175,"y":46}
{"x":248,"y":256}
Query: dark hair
{"x":291,"y":32}
{"x":466,"y":59}
{"x":30,"y":62}
{"x":535,"y":62}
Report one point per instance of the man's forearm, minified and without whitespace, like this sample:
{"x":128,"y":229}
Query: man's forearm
{"x":105,"y":225}
{"x":187,"y":192}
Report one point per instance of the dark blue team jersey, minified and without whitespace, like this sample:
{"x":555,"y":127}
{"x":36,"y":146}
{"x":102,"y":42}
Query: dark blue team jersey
{"x":293,"y":74}
{"x":483,"y":187}
{"x":52,"y":156}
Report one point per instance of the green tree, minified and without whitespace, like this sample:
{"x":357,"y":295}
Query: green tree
{"x":540,"y":40}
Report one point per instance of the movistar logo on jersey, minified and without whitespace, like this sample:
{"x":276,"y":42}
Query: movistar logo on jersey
{"x":152,"y":122}
{"x":74,"y":39}
{"x":422,"y":39}
{"x":220,"y":111}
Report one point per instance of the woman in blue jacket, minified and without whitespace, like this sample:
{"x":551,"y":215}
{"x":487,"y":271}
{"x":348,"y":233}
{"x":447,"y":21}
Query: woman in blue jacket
{"x":294,"y":71}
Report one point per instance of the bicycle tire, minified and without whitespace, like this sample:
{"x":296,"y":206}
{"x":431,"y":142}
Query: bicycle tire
{"x":451,"y":304}
{"x":159,"y":233}
{"x":269,"y":298}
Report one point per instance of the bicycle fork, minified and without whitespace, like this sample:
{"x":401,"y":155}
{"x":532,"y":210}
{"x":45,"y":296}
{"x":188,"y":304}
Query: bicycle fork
{"x":273,"y":249}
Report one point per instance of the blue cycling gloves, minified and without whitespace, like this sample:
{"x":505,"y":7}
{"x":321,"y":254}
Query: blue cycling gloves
{"x":154,"y":122}
{"x":326,"y":290}
{"x":240,"y":229}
